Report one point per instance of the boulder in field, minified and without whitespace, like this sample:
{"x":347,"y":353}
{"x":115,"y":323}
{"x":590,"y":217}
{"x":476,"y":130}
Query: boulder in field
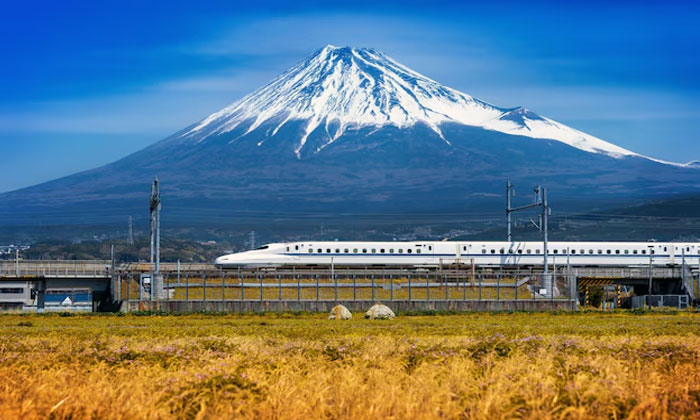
{"x":379,"y":311}
{"x":340,"y":312}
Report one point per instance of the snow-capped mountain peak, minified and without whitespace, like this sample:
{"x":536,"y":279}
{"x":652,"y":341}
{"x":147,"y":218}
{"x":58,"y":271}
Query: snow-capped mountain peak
{"x":337,"y":89}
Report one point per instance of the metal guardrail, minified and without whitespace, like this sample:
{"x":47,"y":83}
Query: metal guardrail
{"x":70,"y":269}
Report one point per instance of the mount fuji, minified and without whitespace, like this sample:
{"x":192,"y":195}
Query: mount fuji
{"x":350,"y":130}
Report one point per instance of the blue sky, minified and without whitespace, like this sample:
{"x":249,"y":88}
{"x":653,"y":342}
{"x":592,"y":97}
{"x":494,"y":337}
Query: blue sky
{"x":85,"y":83}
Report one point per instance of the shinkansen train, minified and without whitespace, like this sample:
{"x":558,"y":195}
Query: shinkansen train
{"x":424,"y":253}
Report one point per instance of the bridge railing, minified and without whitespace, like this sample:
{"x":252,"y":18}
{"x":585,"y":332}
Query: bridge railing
{"x":38,"y":268}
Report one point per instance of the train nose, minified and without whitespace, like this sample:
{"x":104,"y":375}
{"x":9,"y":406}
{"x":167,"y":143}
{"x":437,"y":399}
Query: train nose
{"x":220,"y":261}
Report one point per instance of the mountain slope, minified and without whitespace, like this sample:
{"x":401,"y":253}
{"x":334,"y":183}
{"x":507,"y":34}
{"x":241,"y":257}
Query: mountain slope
{"x":337,"y":89}
{"x":347,"y":131}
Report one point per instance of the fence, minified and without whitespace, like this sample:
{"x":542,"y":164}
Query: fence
{"x":386,"y":285}
{"x":673,"y":301}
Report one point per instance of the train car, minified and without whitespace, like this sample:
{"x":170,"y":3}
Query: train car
{"x":430,"y":253}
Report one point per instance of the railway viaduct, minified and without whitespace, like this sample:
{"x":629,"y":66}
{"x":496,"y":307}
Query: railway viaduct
{"x":100,"y":286}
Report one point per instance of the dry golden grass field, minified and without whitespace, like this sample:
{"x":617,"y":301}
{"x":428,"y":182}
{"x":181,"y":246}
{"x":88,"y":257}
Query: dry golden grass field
{"x":535,"y":366}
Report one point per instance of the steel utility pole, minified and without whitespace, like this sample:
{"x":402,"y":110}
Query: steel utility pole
{"x":155,"y":225}
{"x":156,"y":277}
{"x":510,"y":191}
{"x":651,"y":272}
{"x":130,"y":238}
{"x":540,"y":201}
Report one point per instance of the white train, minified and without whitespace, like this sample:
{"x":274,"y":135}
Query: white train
{"x":425,"y":253}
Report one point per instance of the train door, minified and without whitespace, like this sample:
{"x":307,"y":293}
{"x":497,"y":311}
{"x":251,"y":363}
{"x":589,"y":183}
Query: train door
{"x":671,"y":253}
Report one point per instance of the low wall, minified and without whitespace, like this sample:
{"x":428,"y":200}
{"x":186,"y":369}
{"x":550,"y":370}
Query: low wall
{"x":353,"y":306}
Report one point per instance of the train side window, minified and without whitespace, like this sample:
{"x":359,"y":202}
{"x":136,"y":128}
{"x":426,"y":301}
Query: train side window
{"x":617,"y":251}
{"x":465,"y":248}
{"x":287,"y":249}
{"x":634,"y":251}
{"x":590,"y":251}
{"x":381,"y":250}
{"x":483,"y":251}
{"x":555,"y":251}
{"x":311,"y":250}
{"x":510,"y":251}
{"x":364,"y":250}
{"x":391,"y":250}
{"x":529,"y":251}
{"x":320,"y":250}
{"x":653,"y":251}
{"x":627,"y":251}
{"x":337,"y":251}
{"x":347,"y":250}
{"x":573,"y":251}
{"x":600,"y":251}
{"x":493,"y":251}
{"x":430,"y":247}
{"x":687,"y":249}
{"x":644,"y":251}
{"x":374,"y":251}
{"x":608,"y":251}
{"x":296,"y":247}
{"x":354,"y":251}
{"x":400,"y":250}
{"x":502,"y":250}
{"x":665,"y":249}
{"x":418,"y":251}
{"x":583,"y":251}
{"x":520,"y":251}
{"x":408,"y":250}
{"x":537,"y":251}
{"x":328,"y":251}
